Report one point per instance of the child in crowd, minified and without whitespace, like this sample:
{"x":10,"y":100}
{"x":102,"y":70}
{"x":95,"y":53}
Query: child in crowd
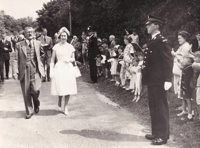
{"x":133,"y":70}
{"x":114,"y":61}
{"x":186,"y":89}
{"x":138,"y":88}
{"x":196,"y":78}
{"x":119,"y":65}
{"x":98,"y":64}
{"x":105,"y":53}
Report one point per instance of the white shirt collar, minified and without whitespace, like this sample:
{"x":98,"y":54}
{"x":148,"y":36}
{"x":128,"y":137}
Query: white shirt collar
{"x":154,"y":35}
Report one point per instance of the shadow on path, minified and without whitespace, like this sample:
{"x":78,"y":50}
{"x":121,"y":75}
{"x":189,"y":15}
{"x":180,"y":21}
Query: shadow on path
{"x":21,"y":114}
{"x":105,"y":135}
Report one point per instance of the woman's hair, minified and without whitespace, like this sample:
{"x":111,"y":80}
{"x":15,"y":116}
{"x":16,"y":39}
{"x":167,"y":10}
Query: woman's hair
{"x":184,"y":34}
{"x":128,"y":38}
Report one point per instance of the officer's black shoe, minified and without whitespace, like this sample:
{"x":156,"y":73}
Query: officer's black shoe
{"x":158,"y":141}
{"x":150,"y":137}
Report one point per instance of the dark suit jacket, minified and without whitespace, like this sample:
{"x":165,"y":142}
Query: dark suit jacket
{"x":158,"y":62}
{"x":5,"y":53}
{"x":49,"y":42}
{"x":93,"y":48}
{"x":14,"y":41}
{"x":19,"y":63}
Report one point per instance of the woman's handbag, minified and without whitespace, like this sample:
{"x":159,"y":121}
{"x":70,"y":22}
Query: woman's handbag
{"x":76,"y":70}
{"x":176,"y":70}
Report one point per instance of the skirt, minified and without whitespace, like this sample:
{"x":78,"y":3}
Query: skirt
{"x":113,"y":68}
{"x":64,"y":79}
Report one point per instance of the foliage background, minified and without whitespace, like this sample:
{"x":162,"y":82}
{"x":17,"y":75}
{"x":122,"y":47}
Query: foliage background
{"x":113,"y":16}
{"x":9,"y":24}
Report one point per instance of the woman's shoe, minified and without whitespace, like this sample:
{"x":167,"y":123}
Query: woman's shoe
{"x":66,"y":111}
{"x":182,"y":113}
{"x":128,"y":88}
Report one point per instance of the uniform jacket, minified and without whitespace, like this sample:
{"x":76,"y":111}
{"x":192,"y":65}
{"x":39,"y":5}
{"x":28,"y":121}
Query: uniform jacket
{"x":19,"y":63}
{"x":4,"y":54}
{"x":48,"y":40}
{"x":93,"y":48}
{"x":158,"y":62}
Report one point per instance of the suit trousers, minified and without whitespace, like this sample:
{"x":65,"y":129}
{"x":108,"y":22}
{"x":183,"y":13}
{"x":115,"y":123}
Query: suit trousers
{"x":46,"y":62}
{"x":7,"y":64}
{"x":30,"y":91}
{"x":2,"y":69}
{"x":93,"y":69}
{"x":159,"y":111}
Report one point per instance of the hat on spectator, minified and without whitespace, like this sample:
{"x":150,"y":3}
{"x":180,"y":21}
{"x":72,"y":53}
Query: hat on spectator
{"x":152,"y":19}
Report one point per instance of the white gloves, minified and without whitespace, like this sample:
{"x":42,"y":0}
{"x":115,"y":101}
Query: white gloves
{"x":167,"y":85}
{"x":51,"y":70}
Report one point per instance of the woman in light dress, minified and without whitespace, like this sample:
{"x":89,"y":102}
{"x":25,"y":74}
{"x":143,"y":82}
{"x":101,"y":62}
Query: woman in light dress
{"x":63,"y":77}
{"x":183,"y":50}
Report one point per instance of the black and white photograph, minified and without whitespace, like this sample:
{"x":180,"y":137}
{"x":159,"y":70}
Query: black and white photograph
{"x":99,"y":73}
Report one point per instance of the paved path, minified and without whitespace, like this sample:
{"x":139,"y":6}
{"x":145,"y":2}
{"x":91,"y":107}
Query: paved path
{"x":92,"y":123}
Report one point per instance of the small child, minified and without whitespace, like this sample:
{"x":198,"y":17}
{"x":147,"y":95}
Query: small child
{"x":186,"y":90}
{"x":99,"y":65}
{"x":113,"y":60}
{"x":105,"y":53}
{"x":196,"y":78}
{"x":119,"y":65}
{"x":133,"y":69}
{"x":138,"y":89}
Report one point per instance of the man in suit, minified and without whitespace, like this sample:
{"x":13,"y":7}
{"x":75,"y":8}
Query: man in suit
{"x":92,"y":54}
{"x":28,"y":68}
{"x":47,"y":44}
{"x":15,"y":39}
{"x":6,"y":46}
{"x":157,"y":75}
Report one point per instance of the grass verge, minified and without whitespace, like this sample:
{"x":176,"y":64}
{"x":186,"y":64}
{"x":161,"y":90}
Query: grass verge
{"x":184,"y":135}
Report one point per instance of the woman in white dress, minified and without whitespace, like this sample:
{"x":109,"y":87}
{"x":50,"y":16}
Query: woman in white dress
{"x":63,"y":78}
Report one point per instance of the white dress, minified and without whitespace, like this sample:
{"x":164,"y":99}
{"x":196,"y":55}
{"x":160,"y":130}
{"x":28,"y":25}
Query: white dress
{"x":64,"y":79}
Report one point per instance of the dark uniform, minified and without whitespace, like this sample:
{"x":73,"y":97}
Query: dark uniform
{"x":158,"y":63}
{"x":92,"y":54}
{"x":6,"y":44}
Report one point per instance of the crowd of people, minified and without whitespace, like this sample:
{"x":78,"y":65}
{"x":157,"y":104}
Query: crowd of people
{"x":128,"y":65}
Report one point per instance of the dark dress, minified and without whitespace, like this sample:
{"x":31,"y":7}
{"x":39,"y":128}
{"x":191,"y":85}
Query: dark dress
{"x":158,"y":63}
{"x":92,"y":54}
{"x":186,"y":78}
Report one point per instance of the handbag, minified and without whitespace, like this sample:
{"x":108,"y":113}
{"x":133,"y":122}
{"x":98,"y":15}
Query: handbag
{"x":76,"y":70}
{"x":176,"y":70}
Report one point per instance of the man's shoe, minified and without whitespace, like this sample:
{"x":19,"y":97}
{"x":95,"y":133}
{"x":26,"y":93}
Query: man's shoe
{"x":37,"y":109}
{"x":49,"y":79}
{"x":150,"y":137}
{"x":29,"y":116}
{"x":158,"y":141}
{"x":43,"y":80}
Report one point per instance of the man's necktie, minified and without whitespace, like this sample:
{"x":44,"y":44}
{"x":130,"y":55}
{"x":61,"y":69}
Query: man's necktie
{"x":30,"y":44}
